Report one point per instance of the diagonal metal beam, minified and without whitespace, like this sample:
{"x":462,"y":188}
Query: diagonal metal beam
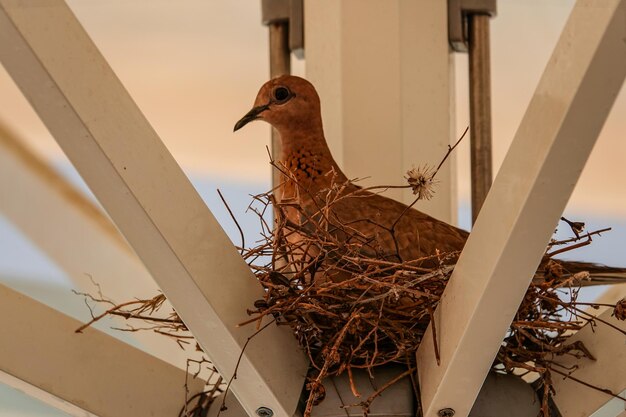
{"x":109,"y":141}
{"x":611,"y":295}
{"x":91,"y":374}
{"x":75,"y":234}
{"x":608,"y":371}
{"x":559,"y":129}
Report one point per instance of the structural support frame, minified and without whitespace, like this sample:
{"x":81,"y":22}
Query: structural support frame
{"x":109,"y":141}
{"x":398,"y":101}
{"x":607,"y":371}
{"x":468,"y":30}
{"x":76,"y":235}
{"x":480,"y":109}
{"x":280,"y":64}
{"x":89,"y":374}
{"x":552,"y":144}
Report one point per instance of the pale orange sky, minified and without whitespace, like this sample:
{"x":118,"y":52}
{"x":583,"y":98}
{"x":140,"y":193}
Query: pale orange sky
{"x":194,"y":67}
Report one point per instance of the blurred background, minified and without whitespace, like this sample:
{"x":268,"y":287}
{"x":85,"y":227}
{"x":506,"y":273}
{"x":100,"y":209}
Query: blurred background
{"x":194,"y":68}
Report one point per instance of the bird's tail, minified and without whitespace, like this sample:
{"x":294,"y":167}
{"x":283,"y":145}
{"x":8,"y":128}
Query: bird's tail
{"x":598,"y":274}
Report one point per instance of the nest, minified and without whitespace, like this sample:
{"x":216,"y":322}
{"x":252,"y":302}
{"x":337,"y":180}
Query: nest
{"x":351,"y":311}
{"x":378,"y":311}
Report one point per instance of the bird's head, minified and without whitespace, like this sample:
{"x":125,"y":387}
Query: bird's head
{"x":286,"y":102}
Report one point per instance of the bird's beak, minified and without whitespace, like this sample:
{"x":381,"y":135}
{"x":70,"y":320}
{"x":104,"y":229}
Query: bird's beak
{"x":250,"y":116}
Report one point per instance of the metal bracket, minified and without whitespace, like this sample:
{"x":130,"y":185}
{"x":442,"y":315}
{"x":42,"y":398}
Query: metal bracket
{"x":291,"y":12}
{"x":458,"y":10}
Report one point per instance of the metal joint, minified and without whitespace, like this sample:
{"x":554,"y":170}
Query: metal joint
{"x":458,"y":11}
{"x":264,"y":412}
{"x":446,"y":412}
{"x":290,"y":12}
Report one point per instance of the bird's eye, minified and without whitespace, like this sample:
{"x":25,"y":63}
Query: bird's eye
{"x":281,"y":94}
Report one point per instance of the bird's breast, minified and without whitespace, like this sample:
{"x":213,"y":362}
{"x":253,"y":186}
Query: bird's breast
{"x":303,"y":165}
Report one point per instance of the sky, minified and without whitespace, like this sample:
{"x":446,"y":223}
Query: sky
{"x":194,"y":67}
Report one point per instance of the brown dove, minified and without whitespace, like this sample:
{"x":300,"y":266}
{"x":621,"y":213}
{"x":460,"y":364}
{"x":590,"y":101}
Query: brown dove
{"x":292,"y":106}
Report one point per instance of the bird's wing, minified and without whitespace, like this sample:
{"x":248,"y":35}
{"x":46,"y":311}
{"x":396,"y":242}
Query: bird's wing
{"x":389,"y":228}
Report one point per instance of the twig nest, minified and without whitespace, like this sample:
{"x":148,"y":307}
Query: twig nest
{"x":352,"y":311}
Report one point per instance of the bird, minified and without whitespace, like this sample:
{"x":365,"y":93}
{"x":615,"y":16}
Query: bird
{"x":382,"y":227}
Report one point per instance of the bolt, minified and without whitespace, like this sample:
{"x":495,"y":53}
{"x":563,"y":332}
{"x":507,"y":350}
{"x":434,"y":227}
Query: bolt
{"x":264,"y":412}
{"x":446,"y":412}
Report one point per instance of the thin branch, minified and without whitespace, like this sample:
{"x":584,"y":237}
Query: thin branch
{"x":234,"y":376}
{"x":232,"y":216}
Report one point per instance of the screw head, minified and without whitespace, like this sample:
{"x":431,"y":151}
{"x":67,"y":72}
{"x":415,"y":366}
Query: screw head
{"x":264,"y":412}
{"x":446,"y":412}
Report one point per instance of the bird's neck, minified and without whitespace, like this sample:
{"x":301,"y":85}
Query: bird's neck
{"x":308,"y":160}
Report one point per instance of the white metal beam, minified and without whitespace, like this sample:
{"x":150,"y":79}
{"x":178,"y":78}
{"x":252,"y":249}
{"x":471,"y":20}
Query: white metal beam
{"x":233,"y":407}
{"x":385,"y":74}
{"x":616,"y":407}
{"x":549,"y":151}
{"x":60,"y":220}
{"x":91,"y":115}
{"x":608,"y":371}
{"x":611,"y":294}
{"x":83,"y":374}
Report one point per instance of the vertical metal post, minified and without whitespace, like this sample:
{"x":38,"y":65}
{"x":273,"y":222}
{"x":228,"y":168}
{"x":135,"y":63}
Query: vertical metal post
{"x":284,"y":19}
{"x":468,"y":31}
{"x":407,"y":67}
{"x":280,"y":64}
{"x":480,"y":109}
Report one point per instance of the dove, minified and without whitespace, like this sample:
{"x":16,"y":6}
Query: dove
{"x":382,"y":227}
